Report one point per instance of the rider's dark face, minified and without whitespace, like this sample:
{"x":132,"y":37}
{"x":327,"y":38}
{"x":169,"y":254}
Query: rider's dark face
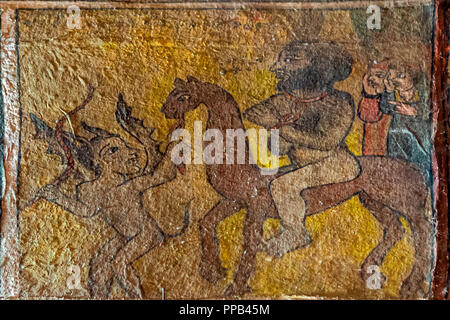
{"x":289,"y":61}
{"x":294,"y":70}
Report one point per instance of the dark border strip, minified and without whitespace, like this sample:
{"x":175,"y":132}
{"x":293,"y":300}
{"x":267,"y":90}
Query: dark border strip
{"x":441,"y":154}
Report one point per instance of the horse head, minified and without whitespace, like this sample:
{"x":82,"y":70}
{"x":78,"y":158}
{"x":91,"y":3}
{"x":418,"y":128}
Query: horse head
{"x":186,"y":96}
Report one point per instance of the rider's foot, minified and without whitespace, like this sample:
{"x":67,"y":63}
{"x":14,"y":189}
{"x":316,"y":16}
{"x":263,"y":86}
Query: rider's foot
{"x":288,"y":240}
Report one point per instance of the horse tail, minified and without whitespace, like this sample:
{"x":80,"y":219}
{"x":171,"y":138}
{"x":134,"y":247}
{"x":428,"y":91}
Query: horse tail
{"x":185,"y":224}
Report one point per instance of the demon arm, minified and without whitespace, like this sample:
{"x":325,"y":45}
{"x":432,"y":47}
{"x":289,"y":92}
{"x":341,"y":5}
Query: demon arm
{"x":164,"y":172}
{"x":136,"y":128}
{"x":52,"y":193}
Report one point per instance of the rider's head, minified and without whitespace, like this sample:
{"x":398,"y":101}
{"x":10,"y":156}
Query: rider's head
{"x":303,"y":65}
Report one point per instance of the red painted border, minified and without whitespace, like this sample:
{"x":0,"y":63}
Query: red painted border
{"x":440,"y":277}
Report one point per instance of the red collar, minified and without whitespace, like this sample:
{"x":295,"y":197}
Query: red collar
{"x":298,"y":99}
{"x":295,"y":115}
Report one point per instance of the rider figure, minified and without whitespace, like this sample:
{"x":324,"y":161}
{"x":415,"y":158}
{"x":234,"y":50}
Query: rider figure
{"x":313,"y":119}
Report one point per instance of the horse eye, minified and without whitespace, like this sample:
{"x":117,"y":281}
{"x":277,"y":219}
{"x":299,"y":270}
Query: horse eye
{"x":113,"y":150}
{"x":184,"y":97}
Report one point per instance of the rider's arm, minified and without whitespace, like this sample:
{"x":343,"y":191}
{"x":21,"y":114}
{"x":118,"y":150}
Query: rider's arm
{"x":331,"y":128}
{"x":263,"y":114}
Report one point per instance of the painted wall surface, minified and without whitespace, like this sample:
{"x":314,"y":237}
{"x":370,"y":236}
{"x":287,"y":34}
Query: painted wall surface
{"x":152,"y":225}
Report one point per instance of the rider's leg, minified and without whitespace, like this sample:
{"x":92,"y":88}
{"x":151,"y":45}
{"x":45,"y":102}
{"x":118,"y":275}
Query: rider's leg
{"x":291,"y":209}
{"x":340,"y":166}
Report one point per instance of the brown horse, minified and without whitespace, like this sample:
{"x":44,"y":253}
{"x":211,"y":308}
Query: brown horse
{"x":387,"y":187}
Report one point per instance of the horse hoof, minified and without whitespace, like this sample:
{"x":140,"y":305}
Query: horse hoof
{"x":409,"y":291}
{"x":235,"y":290}
{"x":213,"y":274}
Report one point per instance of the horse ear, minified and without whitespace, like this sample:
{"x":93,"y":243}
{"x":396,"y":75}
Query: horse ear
{"x":192,"y":79}
{"x":178,"y":82}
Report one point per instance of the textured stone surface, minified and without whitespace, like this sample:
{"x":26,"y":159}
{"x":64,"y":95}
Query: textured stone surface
{"x":139,"y":52}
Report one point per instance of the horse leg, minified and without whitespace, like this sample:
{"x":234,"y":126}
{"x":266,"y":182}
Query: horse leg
{"x":253,"y":233}
{"x":414,"y":285}
{"x":382,"y":176}
{"x":210,"y":265}
{"x":393,"y":231}
{"x":323,"y":197}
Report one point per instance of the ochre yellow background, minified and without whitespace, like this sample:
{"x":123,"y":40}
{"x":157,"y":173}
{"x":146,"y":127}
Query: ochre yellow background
{"x":140,"y":53}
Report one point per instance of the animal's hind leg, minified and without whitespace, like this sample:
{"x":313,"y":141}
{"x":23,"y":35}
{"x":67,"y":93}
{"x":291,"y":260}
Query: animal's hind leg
{"x":416,"y":284}
{"x":210,"y":265}
{"x":101,"y":273}
{"x":142,"y":243}
{"x":393,"y":231}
